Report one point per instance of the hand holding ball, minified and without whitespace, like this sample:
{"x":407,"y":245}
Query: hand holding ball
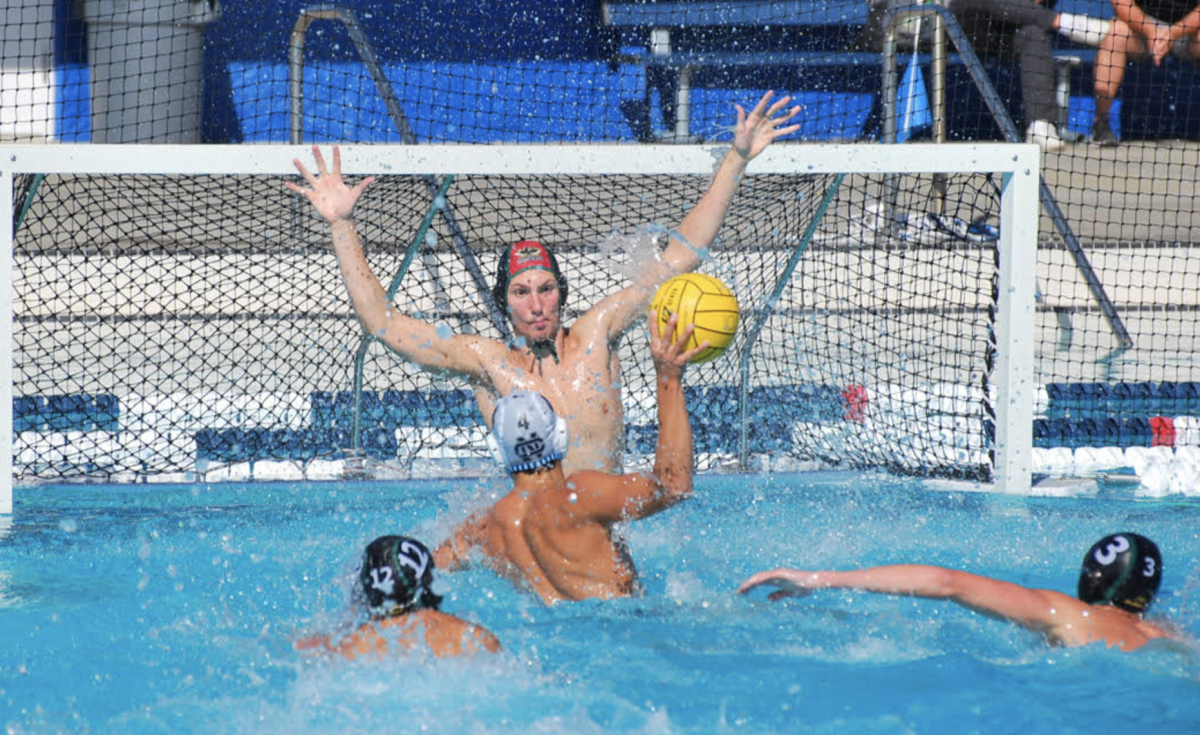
{"x":704,"y":302}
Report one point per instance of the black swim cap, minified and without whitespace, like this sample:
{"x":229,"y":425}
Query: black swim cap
{"x":1123,"y":570}
{"x":396,"y":575}
{"x":523,"y":256}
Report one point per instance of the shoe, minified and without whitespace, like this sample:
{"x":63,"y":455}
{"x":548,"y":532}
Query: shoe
{"x":1083,"y":29}
{"x":1045,"y":135}
{"x":1103,"y":135}
{"x":978,"y":231}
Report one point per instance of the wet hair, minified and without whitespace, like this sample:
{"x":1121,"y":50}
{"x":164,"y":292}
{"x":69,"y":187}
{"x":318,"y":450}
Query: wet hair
{"x":396,"y":576}
{"x":1122,"y":570}
{"x":522,"y":256}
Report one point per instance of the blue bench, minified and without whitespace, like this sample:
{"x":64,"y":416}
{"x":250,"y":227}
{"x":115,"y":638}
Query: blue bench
{"x":69,"y":412}
{"x":674,"y":40}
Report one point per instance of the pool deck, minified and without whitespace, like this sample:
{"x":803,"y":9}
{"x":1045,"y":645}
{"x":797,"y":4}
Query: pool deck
{"x":1138,"y":192}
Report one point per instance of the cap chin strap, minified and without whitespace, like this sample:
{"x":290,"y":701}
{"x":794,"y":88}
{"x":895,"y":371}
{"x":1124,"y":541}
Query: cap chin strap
{"x":539,"y":349}
{"x":393,"y":609}
{"x":497,"y":452}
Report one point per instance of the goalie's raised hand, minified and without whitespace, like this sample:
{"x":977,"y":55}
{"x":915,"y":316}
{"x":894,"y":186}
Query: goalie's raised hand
{"x":330,"y":195}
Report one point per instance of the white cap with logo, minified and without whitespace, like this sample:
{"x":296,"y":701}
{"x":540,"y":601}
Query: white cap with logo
{"x":526,"y":433}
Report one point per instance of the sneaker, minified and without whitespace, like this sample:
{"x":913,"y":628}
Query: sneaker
{"x":1103,"y":135}
{"x":1045,"y":135}
{"x":1083,"y":29}
{"x":977,"y":231}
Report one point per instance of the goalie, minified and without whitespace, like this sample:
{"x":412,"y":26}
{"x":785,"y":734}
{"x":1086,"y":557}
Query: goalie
{"x":575,"y":367}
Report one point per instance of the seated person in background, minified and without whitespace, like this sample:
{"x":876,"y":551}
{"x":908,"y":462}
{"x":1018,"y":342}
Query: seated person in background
{"x":574,"y":366}
{"x":553,"y":533}
{"x":1119,"y":579}
{"x":1018,"y":29}
{"x":1145,"y":29}
{"x":395,"y":580}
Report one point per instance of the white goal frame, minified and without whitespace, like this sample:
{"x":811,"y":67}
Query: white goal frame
{"x":1017,"y":164}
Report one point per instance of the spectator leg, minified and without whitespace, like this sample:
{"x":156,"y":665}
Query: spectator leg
{"x":1036,"y":59}
{"x":1111,"y":57}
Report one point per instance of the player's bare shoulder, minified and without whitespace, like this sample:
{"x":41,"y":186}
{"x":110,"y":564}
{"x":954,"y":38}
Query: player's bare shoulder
{"x":448,"y":635}
{"x":596,"y":496}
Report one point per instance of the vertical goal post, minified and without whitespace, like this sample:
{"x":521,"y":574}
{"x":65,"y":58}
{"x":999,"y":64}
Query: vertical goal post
{"x":1015,"y":165}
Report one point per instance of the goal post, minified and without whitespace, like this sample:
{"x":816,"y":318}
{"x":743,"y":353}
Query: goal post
{"x":161,"y":283}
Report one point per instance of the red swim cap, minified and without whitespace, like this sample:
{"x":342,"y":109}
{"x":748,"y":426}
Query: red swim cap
{"x":520,"y":257}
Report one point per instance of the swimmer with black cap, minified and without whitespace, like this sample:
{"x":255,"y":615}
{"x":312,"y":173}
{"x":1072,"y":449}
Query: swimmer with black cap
{"x":554,"y":533}
{"x":577,"y":367}
{"x":395,"y":589}
{"x":1119,"y":580}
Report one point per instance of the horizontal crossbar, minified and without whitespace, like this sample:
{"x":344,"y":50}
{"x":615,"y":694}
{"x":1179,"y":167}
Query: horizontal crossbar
{"x":516,"y":160}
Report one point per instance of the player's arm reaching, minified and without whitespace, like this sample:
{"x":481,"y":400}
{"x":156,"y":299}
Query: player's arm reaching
{"x":412,"y":338}
{"x":753,"y":133}
{"x":611,"y":498}
{"x":1032,"y":608}
{"x":689,"y":244}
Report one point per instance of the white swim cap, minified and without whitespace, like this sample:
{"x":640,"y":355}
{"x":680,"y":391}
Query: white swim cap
{"x":526,"y":433}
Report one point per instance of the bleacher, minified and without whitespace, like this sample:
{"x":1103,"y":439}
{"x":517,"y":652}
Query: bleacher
{"x":685,"y":45}
{"x":460,"y":71}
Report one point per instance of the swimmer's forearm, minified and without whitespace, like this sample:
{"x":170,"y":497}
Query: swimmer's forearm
{"x":346,"y":240}
{"x":366,"y":292}
{"x":673,"y":456}
{"x":909,"y":580}
{"x":699,"y":228}
{"x":445,"y":556}
{"x":453,"y":552}
{"x":412,"y":338}
{"x":372,"y":307}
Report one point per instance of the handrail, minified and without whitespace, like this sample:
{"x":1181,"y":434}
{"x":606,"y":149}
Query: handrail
{"x":30,"y":195}
{"x":436,"y":189}
{"x":947,"y":23}
{"x":365,"y":51}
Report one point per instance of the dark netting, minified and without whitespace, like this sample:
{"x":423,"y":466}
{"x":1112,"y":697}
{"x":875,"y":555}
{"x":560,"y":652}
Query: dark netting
{"x":181,"y":324}
{"x":1117,"y":309}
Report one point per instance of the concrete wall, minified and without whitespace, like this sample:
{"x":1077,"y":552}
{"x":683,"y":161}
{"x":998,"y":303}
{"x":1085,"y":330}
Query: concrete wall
{"x":27,"y":71}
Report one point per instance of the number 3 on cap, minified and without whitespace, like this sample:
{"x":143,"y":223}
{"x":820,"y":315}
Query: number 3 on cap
{"x":1108,"y":554}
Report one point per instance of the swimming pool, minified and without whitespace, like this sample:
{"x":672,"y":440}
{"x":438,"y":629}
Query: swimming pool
{"x":169,"y":609}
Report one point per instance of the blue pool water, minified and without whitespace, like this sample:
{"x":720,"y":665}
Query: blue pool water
{"x":152,"y":609}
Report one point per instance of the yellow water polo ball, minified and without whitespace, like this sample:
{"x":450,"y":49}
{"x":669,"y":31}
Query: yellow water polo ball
{"x":702,"y":301}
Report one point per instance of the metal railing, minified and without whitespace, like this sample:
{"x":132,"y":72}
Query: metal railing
{"x":945,"y":24}
{"x":437,"y":189}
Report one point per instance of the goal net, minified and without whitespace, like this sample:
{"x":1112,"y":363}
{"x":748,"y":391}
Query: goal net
{"x":179,"y":314}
